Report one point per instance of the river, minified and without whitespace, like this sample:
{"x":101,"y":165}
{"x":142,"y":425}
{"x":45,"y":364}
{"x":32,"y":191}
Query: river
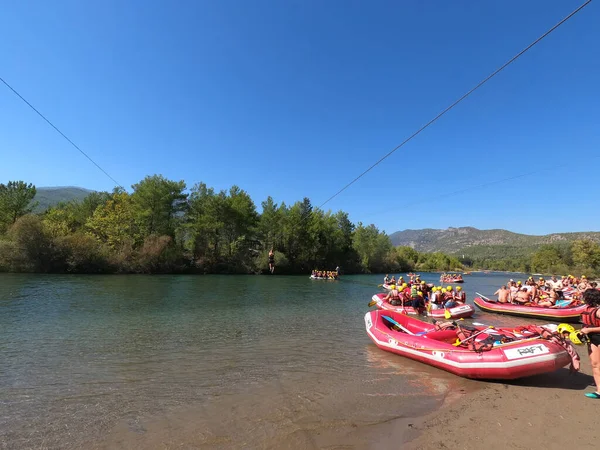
{"x":206,"y":362}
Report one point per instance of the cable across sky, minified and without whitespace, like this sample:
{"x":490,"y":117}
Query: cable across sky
{"x":61,"y":133}
{"x":481,"y":83}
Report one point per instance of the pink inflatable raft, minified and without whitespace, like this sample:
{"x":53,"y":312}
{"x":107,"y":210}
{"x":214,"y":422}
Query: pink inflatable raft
{"x":488,"y":353}
{"x":458,"y":312}
{"x":566,"y":311}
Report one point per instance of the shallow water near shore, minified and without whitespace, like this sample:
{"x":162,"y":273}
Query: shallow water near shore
{"x":204,"y":361}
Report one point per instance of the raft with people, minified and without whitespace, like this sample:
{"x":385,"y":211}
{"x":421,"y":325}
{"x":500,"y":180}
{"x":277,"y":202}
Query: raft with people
{"x":451,"y":278}
{"x":563,"y":311}
{"x":456,"y":312}
{"x":325,"y":275}
{"x":472,"y":352}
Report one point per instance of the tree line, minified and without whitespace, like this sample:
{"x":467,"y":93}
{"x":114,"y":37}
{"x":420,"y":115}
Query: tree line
{"x":161,"y":227}
{"x":581,"y":256}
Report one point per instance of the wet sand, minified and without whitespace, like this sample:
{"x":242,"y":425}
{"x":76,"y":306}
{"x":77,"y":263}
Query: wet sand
{"x":542,"y":412}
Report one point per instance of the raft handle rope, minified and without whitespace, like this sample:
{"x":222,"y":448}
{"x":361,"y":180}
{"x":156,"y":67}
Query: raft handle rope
{"x":456,"y":350}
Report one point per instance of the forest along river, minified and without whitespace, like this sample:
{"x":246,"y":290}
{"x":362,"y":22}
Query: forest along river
{"x":210,"y":361}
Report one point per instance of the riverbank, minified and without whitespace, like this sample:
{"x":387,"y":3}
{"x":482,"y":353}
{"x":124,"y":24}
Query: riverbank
{"x":547,"y":411}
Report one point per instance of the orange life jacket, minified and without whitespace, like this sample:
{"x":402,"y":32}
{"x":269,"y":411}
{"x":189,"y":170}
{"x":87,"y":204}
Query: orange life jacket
{"x":590,"y":317}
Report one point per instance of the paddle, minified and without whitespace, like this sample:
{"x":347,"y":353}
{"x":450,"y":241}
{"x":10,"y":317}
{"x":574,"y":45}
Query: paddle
{"x":389,"y":319}
{"x":447,"y":313}
{"x":484,"y":297}
{"x":372,"y":303}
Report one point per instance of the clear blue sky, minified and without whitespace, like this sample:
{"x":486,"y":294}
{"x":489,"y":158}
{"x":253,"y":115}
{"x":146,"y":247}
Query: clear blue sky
{"x":296,"y":98}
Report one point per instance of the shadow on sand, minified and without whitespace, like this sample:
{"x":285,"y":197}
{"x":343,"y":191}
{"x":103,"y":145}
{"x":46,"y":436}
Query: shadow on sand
{"x":561,"y":379}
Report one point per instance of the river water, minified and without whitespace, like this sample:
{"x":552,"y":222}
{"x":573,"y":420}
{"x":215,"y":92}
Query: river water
{"x":206,"y":362}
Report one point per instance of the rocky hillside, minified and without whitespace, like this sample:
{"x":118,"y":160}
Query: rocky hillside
{"x":453,"y":240}
{"x":50,"y":196}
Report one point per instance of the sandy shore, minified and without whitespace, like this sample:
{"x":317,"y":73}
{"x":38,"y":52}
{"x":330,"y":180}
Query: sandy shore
{"x":542,"y":412}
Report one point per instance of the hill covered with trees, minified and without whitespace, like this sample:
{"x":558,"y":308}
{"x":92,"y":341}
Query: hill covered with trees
{"x":558,"y":253}
{"x":46,"y":197}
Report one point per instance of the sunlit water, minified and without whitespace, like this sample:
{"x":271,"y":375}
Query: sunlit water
{"x":204,"y":362}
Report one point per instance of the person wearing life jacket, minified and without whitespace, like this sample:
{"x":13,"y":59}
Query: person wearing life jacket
{"x":416,"y":297}
{"x":393,"y":296}
{"x":541,"y":283}
{"x":393,"y":280}
{"x":449,"y":298}
{"x":583,"y":285}
{"x":459,"y":296}
{"x":414,"y":292}
{"x":433,"y":298}
{"x":386,"y":280}
{"x":591,"y":321}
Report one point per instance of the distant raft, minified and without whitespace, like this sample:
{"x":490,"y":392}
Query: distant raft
{"x":471,"y":352}
{"x":449,"y":279}
{"x":458,"y":312}
{"x":568,"y":311}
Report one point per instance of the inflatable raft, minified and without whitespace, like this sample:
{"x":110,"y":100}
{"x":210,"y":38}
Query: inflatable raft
{"x":451,"y":280}
{"x":312,"y":277}
{"x":458,"y":312}
{"x":568,"y":314}
{"x":412,"y":338}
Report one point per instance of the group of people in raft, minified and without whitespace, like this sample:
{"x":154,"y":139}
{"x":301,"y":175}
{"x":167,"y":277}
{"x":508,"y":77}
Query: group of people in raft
{"x":420,"y":295}
{"x":451,"y":277}
{"x":329,"y":274}
{"x":416,"y":292}
{"x":547,"y":293}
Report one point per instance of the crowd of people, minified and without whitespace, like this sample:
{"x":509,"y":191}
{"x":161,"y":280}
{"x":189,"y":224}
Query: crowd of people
{"x":412,"y":277}
{"x":451,"y":278}
{"x":326,"y":274}
{"x":548,"y":293}
{"x":569,"y":291}
{"x":418,"y":294}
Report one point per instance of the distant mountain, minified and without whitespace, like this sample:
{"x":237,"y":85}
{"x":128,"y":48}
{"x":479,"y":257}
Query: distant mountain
{"x":454,"y":240}
{"x":50,"y":196}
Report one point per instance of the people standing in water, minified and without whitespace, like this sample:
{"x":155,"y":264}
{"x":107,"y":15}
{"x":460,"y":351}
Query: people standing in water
{"x":271,"y":260}
{"x":591,"y":321}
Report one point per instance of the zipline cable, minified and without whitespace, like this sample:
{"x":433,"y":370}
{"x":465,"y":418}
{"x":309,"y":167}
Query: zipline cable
{"x":61,"y":133}
{"x":481,"y":83}
{"x":482,"y":185}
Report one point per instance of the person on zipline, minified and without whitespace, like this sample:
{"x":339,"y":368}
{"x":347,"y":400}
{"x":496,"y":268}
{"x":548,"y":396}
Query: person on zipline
{"x":271,"y":260}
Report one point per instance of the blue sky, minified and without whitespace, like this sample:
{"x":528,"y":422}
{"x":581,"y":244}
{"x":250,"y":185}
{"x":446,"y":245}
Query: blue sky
{"x":295,"y":98}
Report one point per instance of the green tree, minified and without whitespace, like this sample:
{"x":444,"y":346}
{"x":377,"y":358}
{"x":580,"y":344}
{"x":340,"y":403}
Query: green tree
{"x":372,"y":247}
{"x":15,"y":201}
{"x":204,"y":225}
{"x":159,"y":204}
{"x":586,"y":253}
{"x":116,"y":222}
{"x":547,"y":258}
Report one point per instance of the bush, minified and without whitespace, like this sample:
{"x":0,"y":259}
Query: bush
{"x":32,"y":247}
{"x":83,"y":254}
{"x":159,"y":254}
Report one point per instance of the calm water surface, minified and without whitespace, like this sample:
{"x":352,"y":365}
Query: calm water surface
{"x":204,"y":362}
